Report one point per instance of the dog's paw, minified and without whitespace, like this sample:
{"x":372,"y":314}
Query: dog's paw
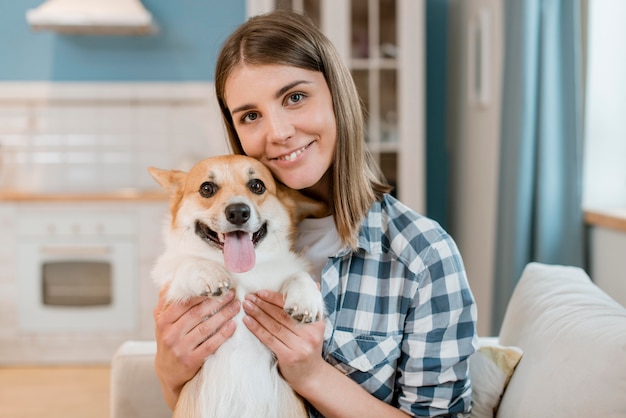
{"x":199,"y":278}
{"x":303,"y":301}
{"x":302,"y":314}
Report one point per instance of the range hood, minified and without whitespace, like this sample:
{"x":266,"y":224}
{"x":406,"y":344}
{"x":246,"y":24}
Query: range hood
{"x":92,"y":17}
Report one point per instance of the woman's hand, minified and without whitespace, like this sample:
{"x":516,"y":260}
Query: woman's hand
{"x":187,"y":333}
{"x":297,"y":346}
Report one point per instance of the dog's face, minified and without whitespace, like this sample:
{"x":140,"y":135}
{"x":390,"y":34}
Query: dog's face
{"x":232,"y":203}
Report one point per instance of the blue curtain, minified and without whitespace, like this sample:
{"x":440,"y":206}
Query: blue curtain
{"x":540,"y":214}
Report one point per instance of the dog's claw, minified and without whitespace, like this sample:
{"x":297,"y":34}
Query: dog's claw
{"x":304,"y":317}
{"x":222,"y":287}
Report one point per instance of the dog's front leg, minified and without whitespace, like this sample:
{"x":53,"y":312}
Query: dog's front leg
{"x":198,"y":277}
{"x":303,"y":300}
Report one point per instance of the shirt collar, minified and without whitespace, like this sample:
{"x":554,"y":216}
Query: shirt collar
{"x":370,"y":234}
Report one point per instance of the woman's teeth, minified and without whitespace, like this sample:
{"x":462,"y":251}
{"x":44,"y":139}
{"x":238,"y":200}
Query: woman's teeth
{"x":292,"y":156}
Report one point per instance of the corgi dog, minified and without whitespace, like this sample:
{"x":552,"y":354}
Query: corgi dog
{"x":231,"y":226}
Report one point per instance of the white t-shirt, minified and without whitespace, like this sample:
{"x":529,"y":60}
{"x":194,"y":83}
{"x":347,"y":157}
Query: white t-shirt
{"x":317,"y":239}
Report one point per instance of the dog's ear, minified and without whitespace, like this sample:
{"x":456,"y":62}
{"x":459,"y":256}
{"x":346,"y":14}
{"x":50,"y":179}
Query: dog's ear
{"x":300,"y":205}
{"x":170,"y":180}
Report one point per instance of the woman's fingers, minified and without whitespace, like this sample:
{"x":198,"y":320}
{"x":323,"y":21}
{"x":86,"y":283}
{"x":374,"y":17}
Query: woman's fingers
{"x":268,"y":320}
{"x":184,"y":327}
{"x":215,"y":327}
{"x":298,"y":346}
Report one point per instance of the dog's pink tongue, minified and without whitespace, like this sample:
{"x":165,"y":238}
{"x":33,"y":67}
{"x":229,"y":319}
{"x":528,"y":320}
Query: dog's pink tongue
{"x":239,"y":254}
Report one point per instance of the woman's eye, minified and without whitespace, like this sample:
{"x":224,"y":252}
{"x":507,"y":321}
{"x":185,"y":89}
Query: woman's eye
{"x":256,"y":186}
{"x":208,"y":189}
{"x":250,"y":117}
{"x":295,"y":97}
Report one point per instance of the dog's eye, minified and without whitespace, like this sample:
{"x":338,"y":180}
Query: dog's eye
{"x":256,"y":186}
{"x":208,"y":189}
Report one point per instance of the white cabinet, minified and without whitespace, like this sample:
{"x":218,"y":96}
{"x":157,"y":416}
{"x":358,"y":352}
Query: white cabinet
{"x":382,"y":41}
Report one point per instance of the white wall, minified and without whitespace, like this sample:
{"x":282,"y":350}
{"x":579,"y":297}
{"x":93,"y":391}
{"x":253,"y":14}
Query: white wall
{"x":474,"y":111}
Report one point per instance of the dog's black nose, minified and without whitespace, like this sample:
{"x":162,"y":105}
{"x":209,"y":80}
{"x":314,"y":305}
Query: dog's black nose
{"x":237,"y":213}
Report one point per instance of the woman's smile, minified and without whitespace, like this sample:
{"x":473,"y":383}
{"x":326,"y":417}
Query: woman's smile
{"x":293,"y":155}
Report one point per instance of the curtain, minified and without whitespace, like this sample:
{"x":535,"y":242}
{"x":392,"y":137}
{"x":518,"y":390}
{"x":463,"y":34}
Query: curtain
{"x":540,"y":214}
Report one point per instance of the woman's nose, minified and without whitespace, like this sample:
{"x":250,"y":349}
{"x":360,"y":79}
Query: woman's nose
{"x":279,"y":127}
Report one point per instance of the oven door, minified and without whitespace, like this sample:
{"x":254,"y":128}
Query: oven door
{"x":73,"y":278}
{"x":77,"y":286}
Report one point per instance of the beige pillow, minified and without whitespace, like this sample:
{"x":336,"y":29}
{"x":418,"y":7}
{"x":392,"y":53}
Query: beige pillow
{"x":491,"y":368}
{"x":574,"y":341}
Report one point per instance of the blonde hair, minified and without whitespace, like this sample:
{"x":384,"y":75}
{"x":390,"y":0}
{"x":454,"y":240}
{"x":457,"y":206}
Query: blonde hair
{"x":287,"y":38}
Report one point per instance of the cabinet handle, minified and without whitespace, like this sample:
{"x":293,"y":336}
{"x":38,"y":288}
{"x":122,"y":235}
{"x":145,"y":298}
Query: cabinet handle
{"x":479,"y":53}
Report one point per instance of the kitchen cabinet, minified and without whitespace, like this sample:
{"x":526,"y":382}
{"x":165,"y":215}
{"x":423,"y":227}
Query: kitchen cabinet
{"x":382,"y":41}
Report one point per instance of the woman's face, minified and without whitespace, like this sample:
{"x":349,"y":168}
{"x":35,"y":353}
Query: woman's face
{"x":284,"y":117}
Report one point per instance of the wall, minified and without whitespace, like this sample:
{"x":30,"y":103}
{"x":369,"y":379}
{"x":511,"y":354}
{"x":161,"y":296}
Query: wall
{"x":474,"y":115}
{"x":185,"y":48}
{"x":83,"y":137}
{"x":83,"y":130}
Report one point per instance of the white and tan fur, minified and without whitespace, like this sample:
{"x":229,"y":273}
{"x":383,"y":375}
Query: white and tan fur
{"x":241,"y":378}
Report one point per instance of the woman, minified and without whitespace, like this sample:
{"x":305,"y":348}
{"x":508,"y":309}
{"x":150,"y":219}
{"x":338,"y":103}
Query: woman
{"x":401,"y":319}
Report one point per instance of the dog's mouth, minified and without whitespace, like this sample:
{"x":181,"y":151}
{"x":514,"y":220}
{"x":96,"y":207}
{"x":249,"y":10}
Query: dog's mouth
{"x":237,"y":246}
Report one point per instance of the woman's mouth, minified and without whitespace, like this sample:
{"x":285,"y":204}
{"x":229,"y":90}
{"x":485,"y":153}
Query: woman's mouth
{"x":293,"y":155}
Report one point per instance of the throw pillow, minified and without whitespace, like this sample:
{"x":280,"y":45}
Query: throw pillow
{"x":491,"y":368}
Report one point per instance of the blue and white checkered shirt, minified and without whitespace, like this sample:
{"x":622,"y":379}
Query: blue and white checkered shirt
{"x":401,"y":317}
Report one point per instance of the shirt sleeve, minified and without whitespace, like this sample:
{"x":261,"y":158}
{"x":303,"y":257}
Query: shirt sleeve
{"x":439,"y":336}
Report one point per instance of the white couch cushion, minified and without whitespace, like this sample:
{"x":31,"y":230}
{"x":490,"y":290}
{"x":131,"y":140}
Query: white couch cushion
{"x":574,"y":341}
{"x":135,"y":389}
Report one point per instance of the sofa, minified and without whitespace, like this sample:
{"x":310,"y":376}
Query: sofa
{"x":561,"y":352}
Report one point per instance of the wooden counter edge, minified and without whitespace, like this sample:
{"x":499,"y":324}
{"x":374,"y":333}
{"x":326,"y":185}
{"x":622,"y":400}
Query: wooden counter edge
{"x":115,"y":196}
{"x":610,"y":219}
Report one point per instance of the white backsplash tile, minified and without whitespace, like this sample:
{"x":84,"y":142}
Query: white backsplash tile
{"x":74,"y":137}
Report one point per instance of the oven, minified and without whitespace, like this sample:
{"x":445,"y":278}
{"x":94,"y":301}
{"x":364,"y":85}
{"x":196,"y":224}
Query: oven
{"x":77,"y":271}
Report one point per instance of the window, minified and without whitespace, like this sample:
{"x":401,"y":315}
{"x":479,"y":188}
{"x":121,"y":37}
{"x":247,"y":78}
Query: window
{"x":604,"y":183}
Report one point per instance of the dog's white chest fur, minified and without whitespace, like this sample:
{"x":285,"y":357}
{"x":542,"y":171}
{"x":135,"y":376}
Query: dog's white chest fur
{"x":241,"y":379}
{"x":244,"y":377}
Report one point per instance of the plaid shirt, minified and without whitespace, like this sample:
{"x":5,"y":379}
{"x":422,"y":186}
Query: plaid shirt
{"x":401,"y":317}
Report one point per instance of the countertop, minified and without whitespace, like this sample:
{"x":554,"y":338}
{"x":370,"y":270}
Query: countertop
{"x":607,"y":218}
{"x":127,"y":195}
